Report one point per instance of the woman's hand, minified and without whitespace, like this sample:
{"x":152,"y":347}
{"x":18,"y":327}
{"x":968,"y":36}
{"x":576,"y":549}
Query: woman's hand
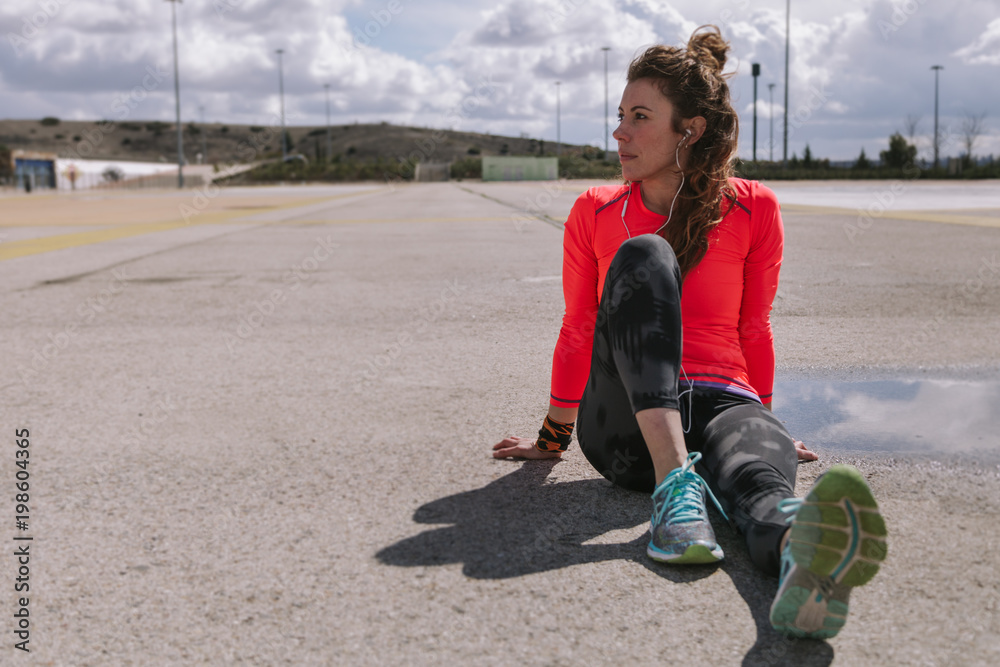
{"x":521,"y":448}
{"x":803,"y":452}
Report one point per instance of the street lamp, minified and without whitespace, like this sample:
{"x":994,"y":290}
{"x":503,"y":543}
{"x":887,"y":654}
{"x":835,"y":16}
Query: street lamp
{"x":558,"y":132}
{"x":788,"y":23}
{"x":177,"y":98}
{"x":937,"y":69}
{"x":770,"y":90}
{"x":204,"y":139}
{"x":281,"y":93}
{"x":755,"y":70}
{"x":605,"y":49}
{"x":329,"y":150}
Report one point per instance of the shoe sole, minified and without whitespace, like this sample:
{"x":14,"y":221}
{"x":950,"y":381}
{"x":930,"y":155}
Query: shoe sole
{"x":837,"y":541}
{"x":696,"y":554}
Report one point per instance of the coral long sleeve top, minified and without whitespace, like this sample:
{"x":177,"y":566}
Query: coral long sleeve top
{"x":726,"y":299}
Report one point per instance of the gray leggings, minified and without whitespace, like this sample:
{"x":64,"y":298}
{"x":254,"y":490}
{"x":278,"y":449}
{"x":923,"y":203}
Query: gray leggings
{"x":748,"y":457}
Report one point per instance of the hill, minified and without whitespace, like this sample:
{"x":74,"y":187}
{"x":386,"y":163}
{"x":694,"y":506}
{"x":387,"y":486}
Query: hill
{"x":156,"y":141}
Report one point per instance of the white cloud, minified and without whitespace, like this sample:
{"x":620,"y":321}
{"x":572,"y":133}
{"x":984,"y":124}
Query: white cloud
{"x":850,"y":84}
{"x":985,"y":50}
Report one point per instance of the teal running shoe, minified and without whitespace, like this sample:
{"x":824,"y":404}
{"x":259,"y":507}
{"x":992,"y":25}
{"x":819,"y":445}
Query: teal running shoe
{"x":680,"y":533}
{"x":836,"y":542}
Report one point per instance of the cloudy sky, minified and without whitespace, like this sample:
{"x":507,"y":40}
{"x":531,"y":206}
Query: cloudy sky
{"x":858,"y":67}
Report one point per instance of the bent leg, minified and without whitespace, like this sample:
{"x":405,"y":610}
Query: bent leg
{"x":635,"y":363}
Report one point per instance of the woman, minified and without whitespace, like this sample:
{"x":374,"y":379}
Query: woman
{"x":642,"y":405}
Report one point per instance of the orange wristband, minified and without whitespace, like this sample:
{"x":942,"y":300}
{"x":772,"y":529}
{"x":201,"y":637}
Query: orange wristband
{"x":554,"y":436}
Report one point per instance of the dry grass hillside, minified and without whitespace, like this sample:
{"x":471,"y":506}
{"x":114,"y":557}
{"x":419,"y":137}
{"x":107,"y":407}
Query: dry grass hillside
{"x":156,"y":141}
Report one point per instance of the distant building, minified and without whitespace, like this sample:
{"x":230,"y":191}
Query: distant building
{"x":500,"y":168}
{"x":33,"y":170}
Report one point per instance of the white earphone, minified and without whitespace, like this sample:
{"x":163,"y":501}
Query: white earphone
{"x":677,"y":159}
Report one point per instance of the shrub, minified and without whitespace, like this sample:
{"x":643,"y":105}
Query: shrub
{"x":49,"y":121}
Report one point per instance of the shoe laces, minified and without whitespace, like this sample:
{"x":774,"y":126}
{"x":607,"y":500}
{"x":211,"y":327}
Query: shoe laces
{"x":790,"y":506}
{"x":680,"y":495}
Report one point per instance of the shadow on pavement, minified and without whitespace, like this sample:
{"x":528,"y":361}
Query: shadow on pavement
{"x":521,"y":524}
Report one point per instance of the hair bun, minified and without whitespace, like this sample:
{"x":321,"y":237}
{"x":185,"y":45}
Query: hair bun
{"x":709,"y":47}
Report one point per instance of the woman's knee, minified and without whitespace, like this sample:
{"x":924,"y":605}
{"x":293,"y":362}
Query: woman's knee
{"x":647,"y":252}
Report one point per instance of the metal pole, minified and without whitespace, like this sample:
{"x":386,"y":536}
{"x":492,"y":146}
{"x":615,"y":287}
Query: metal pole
{"x":204,"y":139}
{"x":788,"y":24}
{"x":605,"y":49}
{"x":937,"y":69}
{"x":177,"y":98}
{"x":755,"y":70}
{"x":281,"y":93}
{"x":770,"y":88}
{"x":329,"y":144}
{"x":558,"y":131}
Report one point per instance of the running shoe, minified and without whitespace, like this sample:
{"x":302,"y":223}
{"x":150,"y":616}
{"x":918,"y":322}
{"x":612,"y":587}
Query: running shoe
{"x":680,"y":532}
{"x":836,"y":542}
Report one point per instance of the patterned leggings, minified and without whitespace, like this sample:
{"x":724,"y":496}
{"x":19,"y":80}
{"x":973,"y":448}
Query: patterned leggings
{"x":748,"y":457}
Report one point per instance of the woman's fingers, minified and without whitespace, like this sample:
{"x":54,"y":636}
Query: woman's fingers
{"x":804,"y":453}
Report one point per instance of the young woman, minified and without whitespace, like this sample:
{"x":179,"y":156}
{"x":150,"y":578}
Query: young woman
{"x":648,"y":410}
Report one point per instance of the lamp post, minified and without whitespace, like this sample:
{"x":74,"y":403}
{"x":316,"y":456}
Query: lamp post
{"x":788,"y":23}
{"x":605,"y":49}
{"x":755,"y":70}
{"x":937,"y":69}
{"x":177,"y":100}
{"x":281,"y":94}
{"x":329,"y":144}
{"x":204,"y":139}
{"x":770,"y":90}
{"x":558,"y":131}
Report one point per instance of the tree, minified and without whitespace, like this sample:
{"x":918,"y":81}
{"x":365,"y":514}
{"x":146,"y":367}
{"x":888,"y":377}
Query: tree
{"x":863,"y":161}
{"x":807,"y":158}
{"x":5,"y":169}
{"x":972,"y":128}
{"x":900,"y":153}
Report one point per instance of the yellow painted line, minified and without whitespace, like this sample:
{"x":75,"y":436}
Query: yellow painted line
{"x":919,"y":216}
{"x":43,"y":244}
{"x":62,"y":241}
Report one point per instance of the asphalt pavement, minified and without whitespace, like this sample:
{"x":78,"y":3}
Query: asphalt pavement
{"x":259,"y":427}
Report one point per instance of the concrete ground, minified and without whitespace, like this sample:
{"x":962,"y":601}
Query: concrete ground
{"x":260,"y":428}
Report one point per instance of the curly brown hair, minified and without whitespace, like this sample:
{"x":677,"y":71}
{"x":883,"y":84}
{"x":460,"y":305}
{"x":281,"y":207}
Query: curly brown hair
{"x":692,"y":80}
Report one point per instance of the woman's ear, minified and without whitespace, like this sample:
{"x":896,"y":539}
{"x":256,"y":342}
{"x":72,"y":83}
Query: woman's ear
{"x":696,"y":127}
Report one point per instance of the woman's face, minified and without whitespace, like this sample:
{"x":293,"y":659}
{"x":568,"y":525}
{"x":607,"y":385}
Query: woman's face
{"x":646,"y":138}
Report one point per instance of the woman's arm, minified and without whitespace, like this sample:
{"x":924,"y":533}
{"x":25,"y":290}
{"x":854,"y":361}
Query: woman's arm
{"x":571,"y":358}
